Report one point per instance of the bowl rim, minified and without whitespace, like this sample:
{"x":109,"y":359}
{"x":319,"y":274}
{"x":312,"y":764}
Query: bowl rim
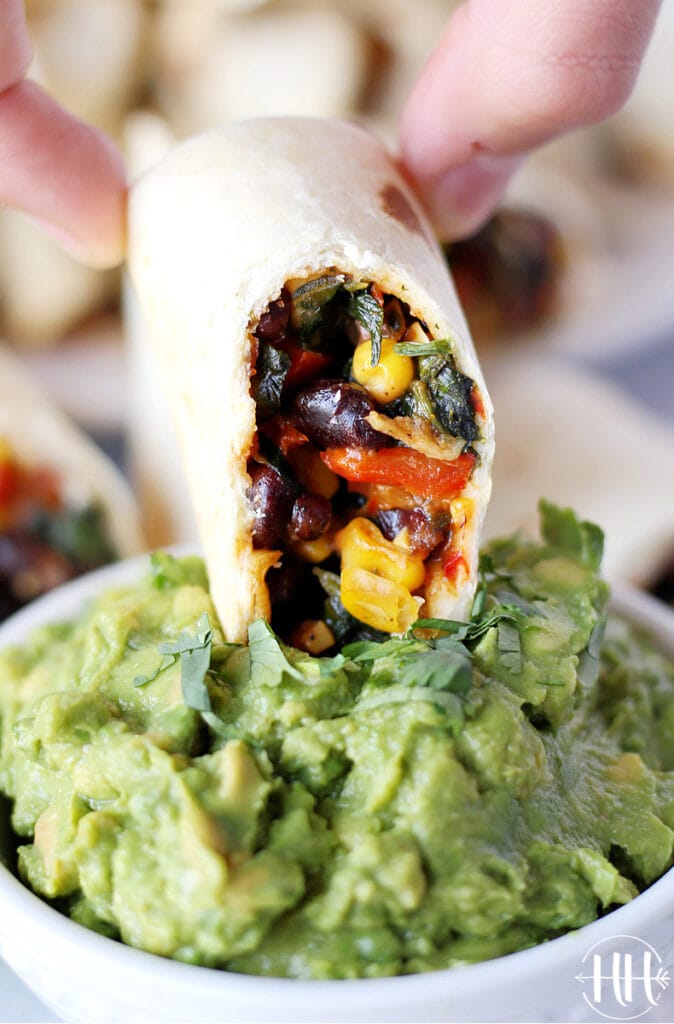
{"x":18,"y":901}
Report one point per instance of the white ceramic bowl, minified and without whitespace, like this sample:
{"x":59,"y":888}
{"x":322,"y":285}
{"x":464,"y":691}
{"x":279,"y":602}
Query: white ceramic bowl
{"x":83,"y":976}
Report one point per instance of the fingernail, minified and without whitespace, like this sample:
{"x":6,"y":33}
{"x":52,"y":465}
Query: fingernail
{"x":464,"y":196}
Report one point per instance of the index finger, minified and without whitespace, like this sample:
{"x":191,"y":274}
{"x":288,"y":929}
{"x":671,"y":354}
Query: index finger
{"x":15,"y":48}
{"x":65,"y":174}
{"x":503,"y":81}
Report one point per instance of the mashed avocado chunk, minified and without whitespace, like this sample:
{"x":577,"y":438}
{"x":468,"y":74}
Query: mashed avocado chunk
{"x":439,"y":798}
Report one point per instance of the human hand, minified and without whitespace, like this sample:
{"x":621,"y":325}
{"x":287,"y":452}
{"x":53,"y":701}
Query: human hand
{"x":505,"y":78}
{"x":67,"y":175}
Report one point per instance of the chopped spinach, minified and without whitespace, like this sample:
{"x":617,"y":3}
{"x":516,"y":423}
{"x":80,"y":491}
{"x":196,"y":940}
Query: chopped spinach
{"x":364,"y":308}
{"x":415,"y":402}
{"x":271,"y":371}
{"x":311,"y":299}
{"x":450,"y":391}
{"x":80,"y":534}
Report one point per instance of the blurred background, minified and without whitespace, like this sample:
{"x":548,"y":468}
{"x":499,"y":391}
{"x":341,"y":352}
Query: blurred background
{"x":569,"y":289}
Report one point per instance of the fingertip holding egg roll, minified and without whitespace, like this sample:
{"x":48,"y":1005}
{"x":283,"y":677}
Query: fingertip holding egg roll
{"x":335,"y":426}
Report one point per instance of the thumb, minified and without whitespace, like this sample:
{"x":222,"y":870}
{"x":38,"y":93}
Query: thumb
{"x":499,"y":85}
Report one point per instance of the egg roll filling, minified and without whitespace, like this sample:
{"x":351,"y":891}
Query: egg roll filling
{"x":361,"y":460}
{"x":48,"y":535}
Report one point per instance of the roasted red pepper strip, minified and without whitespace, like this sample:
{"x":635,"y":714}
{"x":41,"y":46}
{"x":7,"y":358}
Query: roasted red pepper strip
{"x":454,"y":563}
{"x":476,"y":400}
{"x":305,"y":364}
{"x":10,"y":479}
{"x":402,"y":467}
{"x":283,"y":434}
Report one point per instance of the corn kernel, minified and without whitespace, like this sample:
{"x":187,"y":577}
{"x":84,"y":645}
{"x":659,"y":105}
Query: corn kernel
{"x":392,"y":375}
{"x":314,"y":551}
{"x":402,"y":538}
{"x":376,"y":601}
{"x":415,"y":332}
{"x":313,"y":474}
{"x":313,"y":636}
{"x":362,"y":544}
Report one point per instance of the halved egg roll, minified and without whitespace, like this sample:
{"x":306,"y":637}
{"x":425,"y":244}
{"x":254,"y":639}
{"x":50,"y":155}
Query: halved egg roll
{"x":335,"y":426}
{"x":64,"y":508}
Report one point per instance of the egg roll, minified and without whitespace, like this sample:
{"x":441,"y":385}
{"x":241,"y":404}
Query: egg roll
{"x":334,"y":422}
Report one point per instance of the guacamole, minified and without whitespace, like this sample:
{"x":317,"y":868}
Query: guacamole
{"x":438,"y":798}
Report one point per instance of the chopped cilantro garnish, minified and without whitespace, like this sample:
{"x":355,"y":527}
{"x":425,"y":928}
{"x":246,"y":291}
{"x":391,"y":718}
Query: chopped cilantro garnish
{"x":268,"y":663}
{"x":437,"y":347}
{"x":195,"y":659}
{"x":588,"y":661}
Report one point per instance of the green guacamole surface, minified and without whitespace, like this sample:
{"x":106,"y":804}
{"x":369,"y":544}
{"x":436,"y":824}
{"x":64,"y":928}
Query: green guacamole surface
{"x":438,"y":799}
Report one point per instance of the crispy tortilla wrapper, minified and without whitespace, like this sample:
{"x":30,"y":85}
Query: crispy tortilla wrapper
{"x":215,"y":231}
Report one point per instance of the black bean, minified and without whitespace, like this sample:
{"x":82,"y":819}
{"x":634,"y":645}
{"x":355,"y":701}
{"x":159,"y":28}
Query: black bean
{"x":271,"y":499}
{"x":332,"y":413}
{"x":285,"y":583}
{"x":29,"y":567}
{"x":295,"y":594}
{"x":310,"y":517}
{"x":423,"y":533}
{"x":273,"y":323}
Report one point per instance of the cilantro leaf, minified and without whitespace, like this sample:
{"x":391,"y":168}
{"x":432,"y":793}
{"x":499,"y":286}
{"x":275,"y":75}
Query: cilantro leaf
{"x":194,"y":665}
{"x":470,"y":632}
{"x":195,"y":659}
{"x":479,"y":604}
{"x":369,"y":650}
{"x":508,"y":599}
{"x":449,"y":626}
{"x":185,"y":642}
{"x":509,"y":646}
{"x":268,"y":663}
{"x":588,"y":661}
{"x":367,"y":311}
{"x":437,"y":347}
{"x":440,"y":668}
{"x":166,"y":662}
